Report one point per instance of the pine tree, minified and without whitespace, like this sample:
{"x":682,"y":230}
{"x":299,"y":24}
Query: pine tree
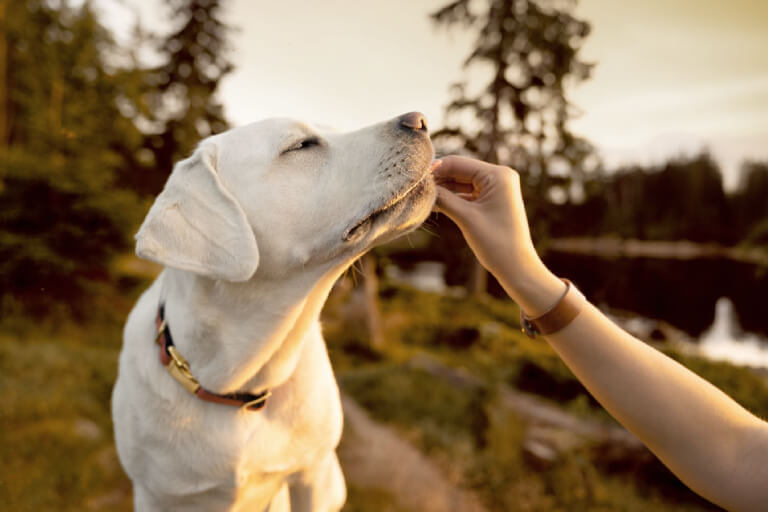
{"x":750,"y":205}
{"x":63,"y":214}
{"x":519,"y":116}
{"x":182,"y":91}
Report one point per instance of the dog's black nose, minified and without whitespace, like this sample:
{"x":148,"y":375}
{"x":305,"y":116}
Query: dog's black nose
{"x":414,"y":120}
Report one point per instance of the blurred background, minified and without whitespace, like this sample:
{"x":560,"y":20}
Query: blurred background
{"x":640,"y":131}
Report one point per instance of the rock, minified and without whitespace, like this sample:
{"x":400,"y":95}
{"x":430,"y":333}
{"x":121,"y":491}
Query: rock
{"x":459,"y":377}
{"x":539,"y":455}
{"x":86,"y":429}
{"x":543,"y":445}
{"x":539,"y":412}
{"x":109,"y":500}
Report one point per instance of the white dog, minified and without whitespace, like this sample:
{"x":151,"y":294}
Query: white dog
{"x":253,"y":229}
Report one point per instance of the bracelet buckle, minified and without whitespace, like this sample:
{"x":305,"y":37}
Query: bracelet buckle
{"x":526,"y":327}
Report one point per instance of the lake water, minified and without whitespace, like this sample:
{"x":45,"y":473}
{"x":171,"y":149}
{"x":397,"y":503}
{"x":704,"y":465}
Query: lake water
{"x":721,"y":303}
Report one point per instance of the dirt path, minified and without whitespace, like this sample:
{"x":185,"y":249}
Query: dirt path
{"x":374,"y":457}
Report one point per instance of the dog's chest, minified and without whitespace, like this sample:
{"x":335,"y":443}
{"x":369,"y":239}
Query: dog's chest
{"x":302,"y":421}
{"x":180,"y":448}
{"x":250,"y":455}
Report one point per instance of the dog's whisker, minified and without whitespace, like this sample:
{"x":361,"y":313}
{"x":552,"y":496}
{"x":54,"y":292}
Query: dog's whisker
{"x":429,"y":231}
{"x":357,"y":270}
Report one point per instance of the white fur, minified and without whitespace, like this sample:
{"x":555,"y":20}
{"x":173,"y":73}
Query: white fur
{"x":253,"y":238}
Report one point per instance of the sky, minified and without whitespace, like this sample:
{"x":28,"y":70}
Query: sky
{"x":670,"y":77}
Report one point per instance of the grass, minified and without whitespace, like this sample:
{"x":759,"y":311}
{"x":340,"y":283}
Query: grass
{"x":57,"y":446}
{"x":370,"y":500}
{"x":466,"y":432}
{"x":56,"y":435}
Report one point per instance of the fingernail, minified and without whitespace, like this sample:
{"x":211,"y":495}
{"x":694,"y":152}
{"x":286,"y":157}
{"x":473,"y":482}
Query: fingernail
{"x":435,"y":164}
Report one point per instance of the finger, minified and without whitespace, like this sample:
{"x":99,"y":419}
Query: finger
{"x":456,"y":187}
{"x":451,"y":205}
{"x":461,"y":169}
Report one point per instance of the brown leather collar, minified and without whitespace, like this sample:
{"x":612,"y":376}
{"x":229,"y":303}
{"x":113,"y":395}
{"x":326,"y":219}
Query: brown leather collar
{"x":180,"y":370}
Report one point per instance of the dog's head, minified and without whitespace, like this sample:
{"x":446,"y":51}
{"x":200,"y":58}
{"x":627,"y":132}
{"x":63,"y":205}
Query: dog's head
{"x":277,"y":195}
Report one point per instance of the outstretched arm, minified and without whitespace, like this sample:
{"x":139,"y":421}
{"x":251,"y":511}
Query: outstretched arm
{"x":710,"y":442}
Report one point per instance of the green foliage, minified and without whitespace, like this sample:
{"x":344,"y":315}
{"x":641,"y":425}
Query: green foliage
{"x":467,"y":430}
{"x":680,"y":199}
{"x":370,"y":500}
{"x":58,"y":453}
{"x":688,"y":202}
{"x":758,"y":233}
{"x":750,"y":205}
{"x":56,"y":446}
{"x":64,"y":214}
{"x":443,"y":413}
{"x":482,"y":335}
{"x":745,"y":387}
{"x":76,"y":170}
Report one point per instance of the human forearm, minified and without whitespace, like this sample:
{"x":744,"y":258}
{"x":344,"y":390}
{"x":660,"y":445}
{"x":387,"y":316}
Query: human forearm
{"x":695,"y":429}
{"x":709,"y":441}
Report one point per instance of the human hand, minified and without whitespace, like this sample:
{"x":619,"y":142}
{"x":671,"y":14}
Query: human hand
{"x":486,"y":203}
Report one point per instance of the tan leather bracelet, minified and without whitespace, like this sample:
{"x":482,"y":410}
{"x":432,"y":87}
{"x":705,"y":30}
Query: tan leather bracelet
{"x":557,"y":317}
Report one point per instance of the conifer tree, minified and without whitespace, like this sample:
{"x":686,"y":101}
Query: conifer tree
{"x":182,"y":91}
{"x":63,"y":212}
{"x":527,"y":52}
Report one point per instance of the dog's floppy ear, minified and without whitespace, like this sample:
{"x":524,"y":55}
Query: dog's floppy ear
{"x":195,"y":224}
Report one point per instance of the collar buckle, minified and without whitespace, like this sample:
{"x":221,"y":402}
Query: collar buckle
{"x":179,"y":369}
{"x":160,"y":330}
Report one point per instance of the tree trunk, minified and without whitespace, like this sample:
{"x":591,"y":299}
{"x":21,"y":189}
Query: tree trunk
{"x":372,"y":312}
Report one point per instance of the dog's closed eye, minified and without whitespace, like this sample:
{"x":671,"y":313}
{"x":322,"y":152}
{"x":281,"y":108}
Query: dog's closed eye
{"x":309,"y":142}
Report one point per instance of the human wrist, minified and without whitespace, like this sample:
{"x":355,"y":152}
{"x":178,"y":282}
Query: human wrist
{"x":532,"y":285}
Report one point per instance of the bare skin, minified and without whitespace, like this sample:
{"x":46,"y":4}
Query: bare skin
{"x":711,"y":443}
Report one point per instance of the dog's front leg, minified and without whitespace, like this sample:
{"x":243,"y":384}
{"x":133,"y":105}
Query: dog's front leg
{"x":319,"y":488}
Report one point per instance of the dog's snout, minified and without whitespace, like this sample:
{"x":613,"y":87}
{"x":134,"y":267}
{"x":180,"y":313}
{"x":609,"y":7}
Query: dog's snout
{"x":414,"y":121}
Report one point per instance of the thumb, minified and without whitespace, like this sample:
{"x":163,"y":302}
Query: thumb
{"x":452,"y":205}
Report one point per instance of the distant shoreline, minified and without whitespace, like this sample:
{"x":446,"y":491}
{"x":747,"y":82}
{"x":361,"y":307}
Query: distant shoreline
{"x":632,"y":248}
